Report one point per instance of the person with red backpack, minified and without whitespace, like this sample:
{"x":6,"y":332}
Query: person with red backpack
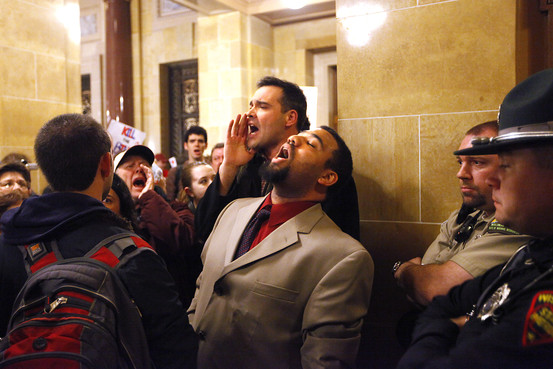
{"x":73,"y":152}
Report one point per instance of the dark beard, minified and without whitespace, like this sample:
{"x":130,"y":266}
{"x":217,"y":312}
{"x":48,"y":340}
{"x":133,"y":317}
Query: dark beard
{"x":272,"y":174}
{"x":474,"y":202}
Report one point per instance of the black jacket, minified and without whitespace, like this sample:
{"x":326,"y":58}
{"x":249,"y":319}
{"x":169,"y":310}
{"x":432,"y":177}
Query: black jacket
{"x":78,"y":222}
{"x":518,"y":335}
{"x":341,"y":206}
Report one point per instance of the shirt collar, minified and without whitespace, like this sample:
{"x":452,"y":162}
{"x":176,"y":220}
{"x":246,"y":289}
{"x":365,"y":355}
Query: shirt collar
{"x":280,"y":213}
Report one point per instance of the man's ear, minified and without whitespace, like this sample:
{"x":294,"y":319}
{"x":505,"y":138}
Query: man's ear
{"x":106,"y":165}
{"x":291,"y":118}
{"x":328,"y":177}
{"x":185,"y":144}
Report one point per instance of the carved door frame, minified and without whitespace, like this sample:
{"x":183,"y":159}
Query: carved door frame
{"x":183,"y":104}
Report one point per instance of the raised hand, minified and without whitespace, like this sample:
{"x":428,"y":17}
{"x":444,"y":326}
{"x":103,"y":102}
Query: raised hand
{"x":236,"y":152}
{"x":149,"y":173}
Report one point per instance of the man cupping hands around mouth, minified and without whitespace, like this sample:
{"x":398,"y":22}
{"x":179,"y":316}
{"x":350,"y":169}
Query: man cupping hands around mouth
{"x":277,"y":111}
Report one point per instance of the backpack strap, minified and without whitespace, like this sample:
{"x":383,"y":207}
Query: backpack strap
{"x":117,"y":248}
{"x":39,"y":255}
{"x":111,"y":250}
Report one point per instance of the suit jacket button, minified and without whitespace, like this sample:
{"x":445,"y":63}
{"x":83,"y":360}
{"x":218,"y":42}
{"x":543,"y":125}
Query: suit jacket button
{"x":201,"y":335}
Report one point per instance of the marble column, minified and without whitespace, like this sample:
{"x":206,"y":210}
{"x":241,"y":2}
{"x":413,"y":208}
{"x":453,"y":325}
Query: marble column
{"x":119,"y":89}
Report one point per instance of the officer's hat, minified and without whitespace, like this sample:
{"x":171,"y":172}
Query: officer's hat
{"x":525,"y":117}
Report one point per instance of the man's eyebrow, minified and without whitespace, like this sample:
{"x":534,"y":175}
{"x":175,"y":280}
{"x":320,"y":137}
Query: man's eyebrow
{"x":318,"y":139}
{"x":253,"y":101}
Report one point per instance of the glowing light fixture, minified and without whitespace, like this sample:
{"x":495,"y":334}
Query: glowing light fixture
{"x":68,"y":15}
{"x":360,"y":21}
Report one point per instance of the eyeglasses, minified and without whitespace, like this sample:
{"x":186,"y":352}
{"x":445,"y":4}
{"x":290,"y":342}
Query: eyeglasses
{"x":11,"y":184}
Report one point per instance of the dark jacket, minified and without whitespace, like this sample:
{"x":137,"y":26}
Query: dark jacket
{"x":341,"y":205}
{"x":169,"y":229}
{"x":518,"y":335}
{"x":78,"y":222}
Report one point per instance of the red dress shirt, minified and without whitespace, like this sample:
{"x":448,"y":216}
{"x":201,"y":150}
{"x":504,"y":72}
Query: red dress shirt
{"x":280,"y":213}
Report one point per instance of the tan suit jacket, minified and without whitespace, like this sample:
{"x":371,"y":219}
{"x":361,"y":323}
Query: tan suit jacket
{"x":296,"y":300}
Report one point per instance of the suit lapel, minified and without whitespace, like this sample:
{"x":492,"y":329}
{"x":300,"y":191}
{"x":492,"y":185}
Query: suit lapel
{"x":279,"y":239}
{"x":242,"y":219}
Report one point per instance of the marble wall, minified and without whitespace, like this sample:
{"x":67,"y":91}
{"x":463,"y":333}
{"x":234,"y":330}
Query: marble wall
{"x":39,"y":71}
{"x":295,"y":44}
{"x":157,"y":40}
{"x":413,"y":76}
{"x":234,"y":51}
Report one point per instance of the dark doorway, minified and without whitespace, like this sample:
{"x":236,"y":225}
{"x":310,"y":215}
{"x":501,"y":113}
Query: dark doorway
{"x":181,"y":102}
{"x":85,"y":93}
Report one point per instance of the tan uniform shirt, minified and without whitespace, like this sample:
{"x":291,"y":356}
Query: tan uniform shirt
{"x":490,"y":244}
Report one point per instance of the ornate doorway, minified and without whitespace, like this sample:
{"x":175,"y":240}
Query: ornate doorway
{"x":183,"y":103}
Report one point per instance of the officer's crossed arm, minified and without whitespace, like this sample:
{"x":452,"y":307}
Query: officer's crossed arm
{"x":423,"y":282}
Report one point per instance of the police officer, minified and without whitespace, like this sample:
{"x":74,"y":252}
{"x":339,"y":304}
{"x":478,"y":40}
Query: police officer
{"x":504,"y":318}
{"x":471,"y":241}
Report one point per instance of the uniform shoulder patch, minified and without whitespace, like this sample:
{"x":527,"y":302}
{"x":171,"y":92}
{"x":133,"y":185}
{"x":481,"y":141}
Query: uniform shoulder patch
{"x":538,"y":326}
{"x":496,"y":227}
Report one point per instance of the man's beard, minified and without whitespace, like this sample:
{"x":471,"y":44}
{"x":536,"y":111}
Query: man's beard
{"x":474,"y":201}
{"x":273,"y":174}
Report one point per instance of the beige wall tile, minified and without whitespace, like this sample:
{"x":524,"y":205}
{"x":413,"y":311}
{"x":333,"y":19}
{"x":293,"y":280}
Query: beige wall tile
{"x":386,"y":166}
{"x":39,"y":73}
{"x":349,"y":7}
{"x":453,"y":56}
{"x":440,"y":136}
{"x":294,"y":42}
{"x":261,"y":33}
{"x":207,"y":30}
{"x":33,"y":27}
{"x":73,"y":78}
{"x":229,"y":27}
{"x":51,"y":80}
{"x":238,"y":54}
{"x":388,"y":242}
{"x":230,"y":66}
{"x":21,"y":119}
{"x":429,"y":2}
{"x":261,"y":61}
{"x":156,"y":43}
{"x":20,"y":81}
{"x":432,"y":70}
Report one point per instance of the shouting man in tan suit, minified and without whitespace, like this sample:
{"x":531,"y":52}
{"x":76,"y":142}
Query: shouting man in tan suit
{"x":290,"y":290}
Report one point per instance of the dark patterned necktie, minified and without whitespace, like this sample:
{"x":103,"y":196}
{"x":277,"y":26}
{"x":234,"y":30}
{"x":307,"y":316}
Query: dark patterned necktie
{"x":252,"y":229}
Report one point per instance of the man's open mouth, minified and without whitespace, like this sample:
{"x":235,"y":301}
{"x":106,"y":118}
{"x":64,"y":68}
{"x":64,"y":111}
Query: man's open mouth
{"x":283,"y":153}
{"x":252,"y":129}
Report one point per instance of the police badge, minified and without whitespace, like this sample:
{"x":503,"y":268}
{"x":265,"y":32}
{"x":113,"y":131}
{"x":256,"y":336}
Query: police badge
{"x":495,"y":301}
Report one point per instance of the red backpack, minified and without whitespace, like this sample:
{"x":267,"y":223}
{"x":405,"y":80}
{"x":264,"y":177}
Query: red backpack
{"x":76,"y":313}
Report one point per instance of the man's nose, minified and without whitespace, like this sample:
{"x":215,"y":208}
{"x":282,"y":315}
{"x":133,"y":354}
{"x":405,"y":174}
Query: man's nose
{"x":463,"y":172}
{"x":295,"y":140}
{"x":19,"y":185}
